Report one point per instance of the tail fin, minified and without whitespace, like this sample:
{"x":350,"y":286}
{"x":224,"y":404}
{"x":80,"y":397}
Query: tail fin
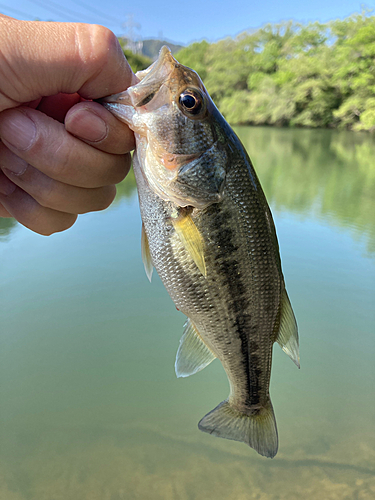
{"x":257,"y":428}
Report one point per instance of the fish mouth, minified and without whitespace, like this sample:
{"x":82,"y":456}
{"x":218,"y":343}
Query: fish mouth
{"x":160,"y":83}
{"x":120,"y":98}
{"x":147,"y":85}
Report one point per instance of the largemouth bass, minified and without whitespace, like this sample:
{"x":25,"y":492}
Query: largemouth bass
{"x":208,"y":231}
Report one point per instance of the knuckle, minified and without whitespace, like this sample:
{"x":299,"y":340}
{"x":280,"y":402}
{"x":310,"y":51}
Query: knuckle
{"x":57,"y":224}
{"x":67,"y":222}
{"x":46,"y":195}
{"x":50,"y":194}
{"x":98,"y":200}
{"x":108,"y":197}
{"x":62,"y":157}
{"x":109,"y":72}
{"x":104,"y":45}
{"x":123,"y":168}
{"x":43,"y":231}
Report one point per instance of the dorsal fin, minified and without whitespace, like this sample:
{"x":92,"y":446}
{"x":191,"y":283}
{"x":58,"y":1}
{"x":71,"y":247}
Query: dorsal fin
{"x":193,"y":355}
{"x":287,"y":336}
{"x":192,"y":240}
{"x":146,"y":256}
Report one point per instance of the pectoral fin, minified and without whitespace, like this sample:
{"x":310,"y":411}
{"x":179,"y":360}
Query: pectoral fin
{"x":192,"y":240}
{"x":287,"y":337}
{"x":146,"y":256}
{"x":193,"y":355}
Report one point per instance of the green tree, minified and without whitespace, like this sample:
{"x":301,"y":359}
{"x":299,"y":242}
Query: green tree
{"x":314,"y":75}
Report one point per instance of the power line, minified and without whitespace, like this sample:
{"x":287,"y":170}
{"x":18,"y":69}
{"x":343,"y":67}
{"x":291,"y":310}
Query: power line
{"x":54,"y":11}
{"x":92,"y":9}
{"x":60,"y":11}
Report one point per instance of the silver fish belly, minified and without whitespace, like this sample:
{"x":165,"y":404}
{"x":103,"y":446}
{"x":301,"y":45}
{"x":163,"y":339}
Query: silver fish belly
{"x":209,"y":233}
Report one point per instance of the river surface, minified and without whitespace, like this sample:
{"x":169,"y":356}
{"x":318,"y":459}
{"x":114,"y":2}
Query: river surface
{"x":90,"y":408}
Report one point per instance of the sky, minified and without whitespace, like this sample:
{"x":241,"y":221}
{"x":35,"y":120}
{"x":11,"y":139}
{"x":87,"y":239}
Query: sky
{"x":182,"y":21}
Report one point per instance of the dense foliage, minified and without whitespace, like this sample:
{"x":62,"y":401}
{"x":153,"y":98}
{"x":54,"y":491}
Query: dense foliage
{"x":315,"y":75}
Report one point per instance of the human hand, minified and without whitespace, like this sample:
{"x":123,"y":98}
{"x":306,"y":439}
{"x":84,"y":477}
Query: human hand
{"x":49,"y":172}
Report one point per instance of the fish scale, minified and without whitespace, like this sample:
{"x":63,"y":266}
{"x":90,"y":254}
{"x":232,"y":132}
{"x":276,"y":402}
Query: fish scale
{"x":192,"y":292}
{"x":209,"y":233}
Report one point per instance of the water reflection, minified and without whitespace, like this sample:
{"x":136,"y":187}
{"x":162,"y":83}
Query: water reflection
{"x":127,"y":188}
{"x":322,"y":173}
{"x":90,"y":405}
{"x":6,"y":227}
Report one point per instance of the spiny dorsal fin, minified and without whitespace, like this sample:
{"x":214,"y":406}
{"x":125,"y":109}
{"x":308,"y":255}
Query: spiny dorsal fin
{"x":193,"y":355}
{"x":146,"y":256}
{"x":287,"y":337}
{"x":192,"y":240}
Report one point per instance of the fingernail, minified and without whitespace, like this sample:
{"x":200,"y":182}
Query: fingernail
{"x":87,"y":125}
{"x":16,"y":167}
{"x":18,"y":130}
{"x":6,"y":186}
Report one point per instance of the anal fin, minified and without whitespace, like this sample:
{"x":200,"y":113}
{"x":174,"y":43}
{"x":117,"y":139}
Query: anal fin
{"x":193,"y":355}
{"x":287,"y":337}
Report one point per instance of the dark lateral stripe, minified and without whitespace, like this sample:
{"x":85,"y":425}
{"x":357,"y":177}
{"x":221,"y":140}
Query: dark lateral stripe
{"x":227,"y":266}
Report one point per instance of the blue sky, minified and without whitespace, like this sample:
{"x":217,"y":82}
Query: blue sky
{"x":183,"y":21}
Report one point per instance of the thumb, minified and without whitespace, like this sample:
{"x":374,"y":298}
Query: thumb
{"x":44,"y":58}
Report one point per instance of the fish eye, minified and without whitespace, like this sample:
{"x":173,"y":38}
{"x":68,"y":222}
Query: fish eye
{"x":191,"y":101}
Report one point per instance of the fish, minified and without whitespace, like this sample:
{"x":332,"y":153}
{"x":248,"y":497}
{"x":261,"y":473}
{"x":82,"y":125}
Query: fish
{"x":208,"y":231}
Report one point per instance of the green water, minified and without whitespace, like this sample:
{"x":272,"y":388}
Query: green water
{"x":90,"y":408}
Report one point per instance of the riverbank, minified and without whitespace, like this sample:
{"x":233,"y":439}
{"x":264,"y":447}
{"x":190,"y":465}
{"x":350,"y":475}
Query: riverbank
{"x":292,"y":74}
